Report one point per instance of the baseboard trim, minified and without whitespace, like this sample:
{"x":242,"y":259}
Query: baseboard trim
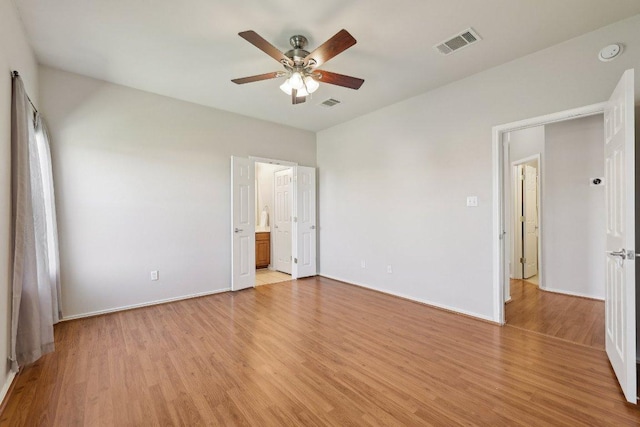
{"x":573,"y":294}
{"x":144,"y":304}
{"x":475,"y":316}
{"x":6,"y":391}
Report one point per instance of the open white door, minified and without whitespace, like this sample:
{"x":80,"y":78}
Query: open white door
{"x":243,"y":224}
{"x":304,"y":223}
{"x":282,"y":222}
{"x":530,"y":199}
{"x":620,"y":279}
{"x":517,"y":224}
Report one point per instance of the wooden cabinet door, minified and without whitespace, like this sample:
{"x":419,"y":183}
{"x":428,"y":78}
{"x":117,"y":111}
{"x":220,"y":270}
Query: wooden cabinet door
{"x":263,"y":249}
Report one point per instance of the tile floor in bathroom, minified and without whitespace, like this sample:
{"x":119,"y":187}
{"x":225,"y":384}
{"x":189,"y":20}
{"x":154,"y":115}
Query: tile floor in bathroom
{"x":264,"y":276}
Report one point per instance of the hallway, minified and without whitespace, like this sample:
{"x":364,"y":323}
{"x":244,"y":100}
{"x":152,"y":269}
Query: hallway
{"x":575,"y":319}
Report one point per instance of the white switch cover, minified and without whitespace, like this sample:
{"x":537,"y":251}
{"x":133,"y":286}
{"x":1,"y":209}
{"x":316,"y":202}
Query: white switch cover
{"x":154,"y":275}
{"x":389,"y":270}
{"x":472,"y":201}
{"x":363,"y":264}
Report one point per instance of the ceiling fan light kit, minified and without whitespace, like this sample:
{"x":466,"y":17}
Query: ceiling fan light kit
{"x":303,"y":76}
{"x":304,"y":86}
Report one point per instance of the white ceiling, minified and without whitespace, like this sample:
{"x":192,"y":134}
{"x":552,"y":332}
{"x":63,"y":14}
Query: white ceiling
{"x":190,"y":50}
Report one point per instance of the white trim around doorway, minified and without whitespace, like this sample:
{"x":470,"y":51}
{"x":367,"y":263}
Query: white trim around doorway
{"x":499,"y":224}
{"x":272,"y":161}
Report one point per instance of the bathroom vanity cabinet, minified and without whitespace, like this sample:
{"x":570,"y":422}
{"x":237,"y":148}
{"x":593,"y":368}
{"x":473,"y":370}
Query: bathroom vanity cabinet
{"x":263,"y":249}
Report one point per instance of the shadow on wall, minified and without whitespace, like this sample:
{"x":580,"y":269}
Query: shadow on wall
{"x":86,"y":90}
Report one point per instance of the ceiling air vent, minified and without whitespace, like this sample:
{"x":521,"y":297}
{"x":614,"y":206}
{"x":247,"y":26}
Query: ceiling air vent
{"x":330,"y":103}
{"x":457,"y":42}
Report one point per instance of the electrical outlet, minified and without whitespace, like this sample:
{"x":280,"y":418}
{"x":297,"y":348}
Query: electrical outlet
{"x":154,"y":275}
{"x":363,"y":264}
{"x":472,"y":201}
{"x":389,"y":269}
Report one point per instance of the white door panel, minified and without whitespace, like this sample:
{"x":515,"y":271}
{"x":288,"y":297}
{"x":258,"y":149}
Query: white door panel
{"x":282,"y":224}
{"x":620,"y":281}
{"x":530,"y":243}
{"x":243,"y":252}
{"x":304,"y":225}
{"x":517,"y":270}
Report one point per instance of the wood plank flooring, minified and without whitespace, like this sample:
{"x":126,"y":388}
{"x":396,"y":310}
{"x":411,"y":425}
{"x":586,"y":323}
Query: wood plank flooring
{"x":311,"y":352}
{"x":576,"y":319}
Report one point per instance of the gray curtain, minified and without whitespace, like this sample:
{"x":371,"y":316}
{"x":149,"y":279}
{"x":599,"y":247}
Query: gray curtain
{"x":35,"y":289}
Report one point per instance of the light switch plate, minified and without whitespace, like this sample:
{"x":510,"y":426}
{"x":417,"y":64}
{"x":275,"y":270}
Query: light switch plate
{"x":472,"y":201}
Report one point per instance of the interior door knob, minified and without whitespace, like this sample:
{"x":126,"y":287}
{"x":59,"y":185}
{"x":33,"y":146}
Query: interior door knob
{"x":237,"y":230}
{"x":621,"y":253}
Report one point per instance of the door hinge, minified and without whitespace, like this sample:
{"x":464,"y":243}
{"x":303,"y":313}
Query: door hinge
{"x":523,"y":219}
{"x":295,"y":260}
{"x":295,"y":219}
{"x":523,"y":260}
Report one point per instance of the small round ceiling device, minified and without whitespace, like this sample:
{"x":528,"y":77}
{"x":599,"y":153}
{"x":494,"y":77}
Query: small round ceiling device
{"x":610,"y":52}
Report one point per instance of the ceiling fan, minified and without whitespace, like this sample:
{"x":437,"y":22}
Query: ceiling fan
{"x":301,"y":67}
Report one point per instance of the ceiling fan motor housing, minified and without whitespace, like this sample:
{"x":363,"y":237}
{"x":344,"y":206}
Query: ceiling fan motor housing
{"x":297,"y":54}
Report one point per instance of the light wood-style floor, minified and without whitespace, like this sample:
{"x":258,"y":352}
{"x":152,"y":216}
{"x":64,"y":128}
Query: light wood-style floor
{"x":312,"y":352}
{"x":575,"y":319}
{"x":264,"y":276}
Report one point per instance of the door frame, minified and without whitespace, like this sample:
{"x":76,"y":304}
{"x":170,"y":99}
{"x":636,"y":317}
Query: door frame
{"x":256,"y":159}
{"x":283,"y":163}
{"x":272,"y":161}
{"x":538,"y":158}
{"x":500,"y":268}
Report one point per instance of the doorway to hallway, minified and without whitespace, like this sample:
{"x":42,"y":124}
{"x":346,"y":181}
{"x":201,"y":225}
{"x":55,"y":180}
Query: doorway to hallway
{"x":571,"y":318}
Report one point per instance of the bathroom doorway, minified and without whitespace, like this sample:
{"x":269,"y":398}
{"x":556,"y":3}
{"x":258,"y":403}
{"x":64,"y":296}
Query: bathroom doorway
{"x":246,"y":203}
{"x":274,"y":201}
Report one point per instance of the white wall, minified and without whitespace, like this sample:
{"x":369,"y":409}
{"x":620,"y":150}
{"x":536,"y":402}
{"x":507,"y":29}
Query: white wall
{"x":142,"y":183}
{"x":15,"y":54}
{"x":393,"y":183}
{"x":573,"y":212}
{"x":525,"y":143}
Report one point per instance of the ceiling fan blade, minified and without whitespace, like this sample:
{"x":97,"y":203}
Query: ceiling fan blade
{"x":256,"y":40}
{"x":339,"y":79}
{"x":259,"y":77}
{"x":332,"y":47}
{"x":295,"y":99}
